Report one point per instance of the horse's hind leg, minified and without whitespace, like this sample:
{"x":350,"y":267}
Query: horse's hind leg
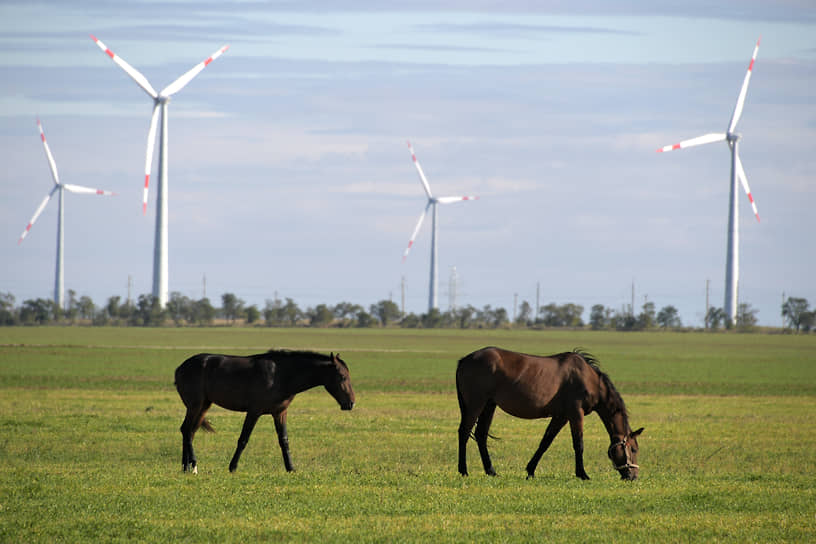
{"x":192,"y":421}
{"x":466,"y":423}
{"x":555,"y":426}
{"x":188,"y":461}
{"x":482,"y":429}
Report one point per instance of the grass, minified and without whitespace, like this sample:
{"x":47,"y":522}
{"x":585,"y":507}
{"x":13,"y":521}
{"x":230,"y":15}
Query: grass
{"x":91,"y":448}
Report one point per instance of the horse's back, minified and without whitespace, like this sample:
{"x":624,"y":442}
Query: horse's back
{"x":522,"y":385}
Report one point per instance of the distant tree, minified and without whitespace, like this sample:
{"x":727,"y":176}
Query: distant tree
{"x":178,"y":308}
{"x":597,"y":317}
{"x":364,"y":319}
{"x":746,"y":318}
{"x":37,"y":311}
{"x":291,"y":313}
{"x":794,"y":310}
{"x":646,"y":319}
{"x":385,"y":311}
{"x":320,"y":316}
{"x":499,"y":318}
{"x":432,"y":320}
{"x":346,"y":313}
{"x":232,"y":307}
{"x":551,"y":316}
{"x":808,"y":321}
{"x":668,"y":318}
{"x":411,"y":321}
{"x":525,"y":314}
{"x":86,"y":307}
{"x":463,"y":317}
{"x":8,"y":315}
{"x":149,"y":312}
{"x":253,"y":314}
{"x":714,"y":318}
{"x":203,"y":312}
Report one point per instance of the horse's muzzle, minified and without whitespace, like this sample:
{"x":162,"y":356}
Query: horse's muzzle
{"x":347,"y":406}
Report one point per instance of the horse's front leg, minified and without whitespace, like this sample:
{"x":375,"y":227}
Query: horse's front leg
{"x":555,"y":426}
{"x":283,"y":440}
{"x":577,"y":428}
{"x":249,"y":424}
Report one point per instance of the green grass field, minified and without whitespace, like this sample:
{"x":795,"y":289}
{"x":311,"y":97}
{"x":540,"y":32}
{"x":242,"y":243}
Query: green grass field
{"x":91,"y":451}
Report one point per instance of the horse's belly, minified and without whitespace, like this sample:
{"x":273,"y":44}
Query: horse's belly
{"x":523,"y":406}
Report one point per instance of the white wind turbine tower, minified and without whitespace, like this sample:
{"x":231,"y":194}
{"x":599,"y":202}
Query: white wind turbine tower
{"x":737,"y":173}
{"x":59,"y":282}
{"x":432,"y":202}
{"x":160,"y":101}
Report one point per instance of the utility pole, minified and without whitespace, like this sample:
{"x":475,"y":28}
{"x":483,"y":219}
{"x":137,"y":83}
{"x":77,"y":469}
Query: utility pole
{"x":632,"y":312}
{"x":538,"y":302}
{"x":402,"y":290}
{"x":452,"y":286}
{"x":130,"y":285}
{"x":204,"y":286}
{"x":515,"y":306}
{"x":705,"y":318}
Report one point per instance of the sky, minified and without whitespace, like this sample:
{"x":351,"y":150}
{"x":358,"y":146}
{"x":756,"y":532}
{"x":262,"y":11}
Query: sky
{"x":290,"y":177}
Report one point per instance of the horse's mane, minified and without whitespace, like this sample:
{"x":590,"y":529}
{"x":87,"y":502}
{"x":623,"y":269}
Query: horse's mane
{"x":294,"y":354}
{"x":614,"y":400}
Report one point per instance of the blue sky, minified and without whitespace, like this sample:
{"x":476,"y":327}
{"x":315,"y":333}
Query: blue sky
{"x":289,"y":172}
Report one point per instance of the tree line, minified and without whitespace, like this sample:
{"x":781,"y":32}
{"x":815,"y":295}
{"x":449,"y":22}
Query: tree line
{"x":184,"y":311}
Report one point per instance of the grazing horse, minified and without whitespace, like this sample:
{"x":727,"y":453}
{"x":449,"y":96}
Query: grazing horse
{"x":564,"y":387}
{"x":257,"y":384}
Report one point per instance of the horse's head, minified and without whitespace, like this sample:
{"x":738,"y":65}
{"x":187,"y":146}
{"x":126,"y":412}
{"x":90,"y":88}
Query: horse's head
{"x":623,"y":454}
{"x":338,"y":383}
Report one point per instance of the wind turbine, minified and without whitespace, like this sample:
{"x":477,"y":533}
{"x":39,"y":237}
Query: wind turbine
{"x":160,"y":101}
{"x":737,"y":173}
{"x":432,"y":202}
{"x":59,"y":282}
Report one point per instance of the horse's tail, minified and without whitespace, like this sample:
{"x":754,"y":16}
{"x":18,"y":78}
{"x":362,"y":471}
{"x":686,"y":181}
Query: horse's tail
{"x":205,"y":424}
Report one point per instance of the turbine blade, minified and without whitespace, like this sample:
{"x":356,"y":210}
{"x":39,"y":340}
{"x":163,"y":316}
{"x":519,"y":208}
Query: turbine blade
{"x":179,"y":84}
{"x":744,"y":179}
{"x":421,"y":173}
{"x":449,"y":199}
{"x":735,"y":117}
{"x":50,"y":157}
{"x":700,"y":140}
{"x":40,"y":209}
{"x":87,"y":190}
{"x":416,"y":230}
{"x":135,"y":74}
{"x":151,"y":142}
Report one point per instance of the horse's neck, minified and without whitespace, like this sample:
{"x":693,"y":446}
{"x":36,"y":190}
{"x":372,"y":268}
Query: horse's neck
{"x":305,"y":375}
{"x":613,"y":418}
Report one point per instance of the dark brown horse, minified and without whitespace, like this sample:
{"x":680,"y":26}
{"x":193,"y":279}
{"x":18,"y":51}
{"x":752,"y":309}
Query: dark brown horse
{"x":564,"y":387}
{"x":257,"y":384}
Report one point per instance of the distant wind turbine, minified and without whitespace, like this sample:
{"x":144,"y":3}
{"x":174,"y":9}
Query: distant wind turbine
{"x":59,"y":282}
{"x":432,"y":202}
{"x":160,"y":101}
{"x":737,"y":173}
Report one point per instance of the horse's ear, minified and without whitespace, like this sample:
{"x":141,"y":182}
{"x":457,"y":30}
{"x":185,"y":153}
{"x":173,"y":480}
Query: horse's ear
{"x":635,"y":434}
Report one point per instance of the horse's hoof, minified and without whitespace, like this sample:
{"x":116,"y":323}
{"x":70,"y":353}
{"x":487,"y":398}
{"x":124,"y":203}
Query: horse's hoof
{"x":195,"y":470}
{"x":530,"y":475}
